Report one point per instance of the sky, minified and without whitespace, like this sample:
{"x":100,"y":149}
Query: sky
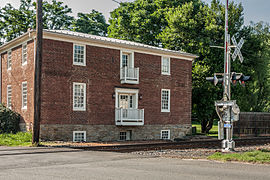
{"x":254,"y":10}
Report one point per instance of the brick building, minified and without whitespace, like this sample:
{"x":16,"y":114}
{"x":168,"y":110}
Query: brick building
{"x":98,"y":89}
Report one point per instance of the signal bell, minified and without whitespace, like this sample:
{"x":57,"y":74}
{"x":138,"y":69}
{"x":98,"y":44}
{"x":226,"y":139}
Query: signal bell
{"x":215,"y":80}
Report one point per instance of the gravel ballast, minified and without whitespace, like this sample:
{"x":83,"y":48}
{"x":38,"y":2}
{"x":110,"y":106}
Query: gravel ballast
{"x":201,"y":153}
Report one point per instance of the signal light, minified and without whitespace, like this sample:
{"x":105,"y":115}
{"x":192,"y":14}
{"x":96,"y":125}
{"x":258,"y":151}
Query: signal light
{"x":234,"y":78}
{"x":243,"y":79}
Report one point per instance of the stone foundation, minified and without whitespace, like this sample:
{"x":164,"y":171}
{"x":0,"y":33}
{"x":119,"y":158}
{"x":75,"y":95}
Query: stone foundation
{"x":58,"y":132}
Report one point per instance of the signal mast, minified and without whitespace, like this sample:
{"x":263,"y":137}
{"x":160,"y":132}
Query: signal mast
{"x":227,"y":109}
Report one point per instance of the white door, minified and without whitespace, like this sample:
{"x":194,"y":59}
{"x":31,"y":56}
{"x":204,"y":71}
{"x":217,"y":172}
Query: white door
{"x":126,"y":101}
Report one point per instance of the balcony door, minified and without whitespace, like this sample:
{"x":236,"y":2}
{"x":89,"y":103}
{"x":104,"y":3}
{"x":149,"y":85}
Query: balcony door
{"x":126,"y":98}
{"x":127,"y":60}
{"x":126,"y":101}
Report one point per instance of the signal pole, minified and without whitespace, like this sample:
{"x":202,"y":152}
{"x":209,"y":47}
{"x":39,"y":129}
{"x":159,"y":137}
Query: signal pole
{"x":37,"y":80}
{"x":228,"y":144}
{"x":227,"y":109}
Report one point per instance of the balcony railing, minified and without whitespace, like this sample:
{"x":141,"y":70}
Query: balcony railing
{"x":129,"y":75}
{"x":129,"y":117}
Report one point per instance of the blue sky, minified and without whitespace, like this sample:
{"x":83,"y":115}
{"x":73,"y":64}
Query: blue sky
{"x":254,"y":10}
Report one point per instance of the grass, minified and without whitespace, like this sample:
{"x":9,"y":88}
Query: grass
{"x":258,"y":156}
{"x":19,"y":139}
{"x":213,"y":132}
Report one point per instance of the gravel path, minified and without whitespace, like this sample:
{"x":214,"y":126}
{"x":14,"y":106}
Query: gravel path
{"x":195,"y":153}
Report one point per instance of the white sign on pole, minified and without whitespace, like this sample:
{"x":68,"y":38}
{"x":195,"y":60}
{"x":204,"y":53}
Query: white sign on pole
{"x":237,"y":51}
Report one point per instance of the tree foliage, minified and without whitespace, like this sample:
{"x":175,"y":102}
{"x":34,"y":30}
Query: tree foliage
{"x":141,"y":20}
{"x":91,"y":23}
{"x":56,"y":15}
{"x":9,"y":120}
{"x":16,"y":21}
{"x":193,"y":26}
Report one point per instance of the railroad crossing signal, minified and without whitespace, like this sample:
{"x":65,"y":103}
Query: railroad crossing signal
{"x":238,"y":47}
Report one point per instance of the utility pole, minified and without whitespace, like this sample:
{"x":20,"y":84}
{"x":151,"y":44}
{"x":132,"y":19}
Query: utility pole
{"x":227,"y":109}
{"x":37,"y":77}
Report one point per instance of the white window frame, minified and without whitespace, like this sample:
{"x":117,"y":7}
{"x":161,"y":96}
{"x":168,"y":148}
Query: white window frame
{"x":127,"y":91}
{"x":121,"y":135}
{"x":84,"y":100}
{"x":84,"y":55}
{"x":9,"y":97}
{"x":169,"y":100}
{"x":84,"y":134}
{"x":131,"y":55}
{"x":24,"y":107}
{"x":24,"y":61}
{"x":169,"y":65}
{"x":169,"y":134}
{"x":9,"y":57}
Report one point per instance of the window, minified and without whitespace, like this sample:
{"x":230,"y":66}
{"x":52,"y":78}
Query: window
{"x":127,"y":59}
{"x":79,"y":55}
{"x":9,"y":60}
{"x":9,"y":96}
{"x":165,"y":100}
{"x":79,"y":136}
{"x":165,"y":134}
{"x":165,"y":65}
{"x":24,"y":95}
{"x":123,"y":136}
{"x":24,"y":54}
{"x":79,"y":96}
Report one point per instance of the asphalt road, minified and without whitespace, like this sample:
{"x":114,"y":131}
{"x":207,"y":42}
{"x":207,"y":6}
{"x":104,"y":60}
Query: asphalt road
{"x":49,"y":163}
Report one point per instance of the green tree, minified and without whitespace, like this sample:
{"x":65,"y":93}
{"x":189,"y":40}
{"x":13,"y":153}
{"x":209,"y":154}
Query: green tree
{"x":256,"y":51}
{"x":91,"y":23}
{"x":56,"y":15}
{"x":141,"y":20}
{"x":14,"y":22}
{"x":193,"y":26}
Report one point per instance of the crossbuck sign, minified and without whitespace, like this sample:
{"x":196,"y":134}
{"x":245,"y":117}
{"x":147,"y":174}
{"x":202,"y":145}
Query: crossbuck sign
{"x":237,"y":51}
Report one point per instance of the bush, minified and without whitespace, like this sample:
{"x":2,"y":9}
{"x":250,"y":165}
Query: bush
{"x":9,"y":120}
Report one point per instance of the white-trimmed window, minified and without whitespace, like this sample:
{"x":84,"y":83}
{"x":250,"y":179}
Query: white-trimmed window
{"x":165,"y":134}
{"x":9,"y":96}
{"x":165,"y":100}
{"x":24,"y":95}
{"x":79,"y":136}
{"x":127,"y":59}
{"x":165,"y":65}
{"x":24,"y":54}
{"x":79,"y":52}
{"x":79,"y":96}
{"x":123,"y":136}
{"x":9,"y":60}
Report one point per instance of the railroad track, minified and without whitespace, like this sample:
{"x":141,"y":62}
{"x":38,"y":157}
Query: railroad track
{"x":188,"y":144}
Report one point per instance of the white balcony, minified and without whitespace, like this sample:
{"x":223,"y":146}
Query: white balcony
{"x":129,"y":75}
{"x":129,"y":117}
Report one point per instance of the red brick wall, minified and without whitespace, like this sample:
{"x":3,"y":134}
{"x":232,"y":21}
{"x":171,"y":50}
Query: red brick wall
{"x":101,"y":75}
{"x":15,"y":77}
